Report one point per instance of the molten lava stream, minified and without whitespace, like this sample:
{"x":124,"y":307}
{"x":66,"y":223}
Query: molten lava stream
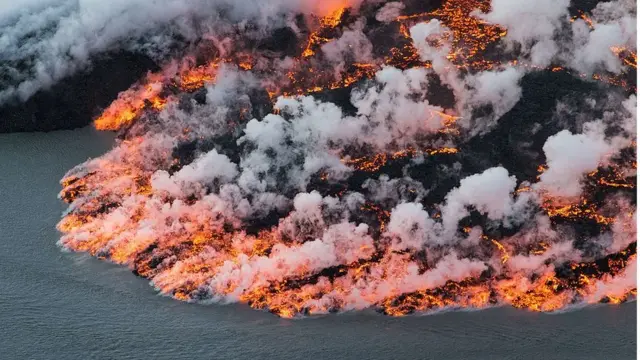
{"x":151,"y":94}
{"x":148,"y":206}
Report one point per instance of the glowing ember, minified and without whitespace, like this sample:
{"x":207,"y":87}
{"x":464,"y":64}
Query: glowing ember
{"x":130,"y":104}
{"x":318,"y":37}
{"x":629,"y":57}
{"x":471,"y":35}
{"x":195,"y":78}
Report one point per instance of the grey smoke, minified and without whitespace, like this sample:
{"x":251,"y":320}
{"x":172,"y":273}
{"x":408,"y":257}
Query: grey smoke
{"x":43,"y":41}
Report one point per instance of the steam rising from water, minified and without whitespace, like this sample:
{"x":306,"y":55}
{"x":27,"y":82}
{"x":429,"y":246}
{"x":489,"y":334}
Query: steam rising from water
{"x":263,"y":189}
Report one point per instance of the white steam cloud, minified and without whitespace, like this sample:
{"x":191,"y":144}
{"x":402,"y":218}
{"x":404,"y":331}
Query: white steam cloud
{"x":251,"y":203}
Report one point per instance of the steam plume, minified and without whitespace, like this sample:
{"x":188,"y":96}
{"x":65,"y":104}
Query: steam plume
{"x":325,"y":176}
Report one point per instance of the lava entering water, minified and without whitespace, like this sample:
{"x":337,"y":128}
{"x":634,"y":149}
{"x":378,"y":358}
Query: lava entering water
{"x":229,"y":182}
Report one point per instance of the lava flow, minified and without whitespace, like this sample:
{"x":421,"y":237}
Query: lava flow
{"x":365,"y":165}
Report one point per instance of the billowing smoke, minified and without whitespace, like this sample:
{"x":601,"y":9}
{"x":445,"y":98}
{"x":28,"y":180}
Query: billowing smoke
{"x":570,"y":156}
{"x":384,"y":157}
{"x":43,"y":41}
{"x":588,"y":43}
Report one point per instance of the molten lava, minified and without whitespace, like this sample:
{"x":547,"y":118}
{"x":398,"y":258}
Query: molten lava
{"x":173,"y":206}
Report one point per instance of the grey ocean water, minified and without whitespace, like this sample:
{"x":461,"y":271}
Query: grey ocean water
{"x":57,"y":305}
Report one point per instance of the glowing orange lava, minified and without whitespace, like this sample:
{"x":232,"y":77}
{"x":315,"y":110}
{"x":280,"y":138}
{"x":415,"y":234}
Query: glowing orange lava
{"x":130,"y":206}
